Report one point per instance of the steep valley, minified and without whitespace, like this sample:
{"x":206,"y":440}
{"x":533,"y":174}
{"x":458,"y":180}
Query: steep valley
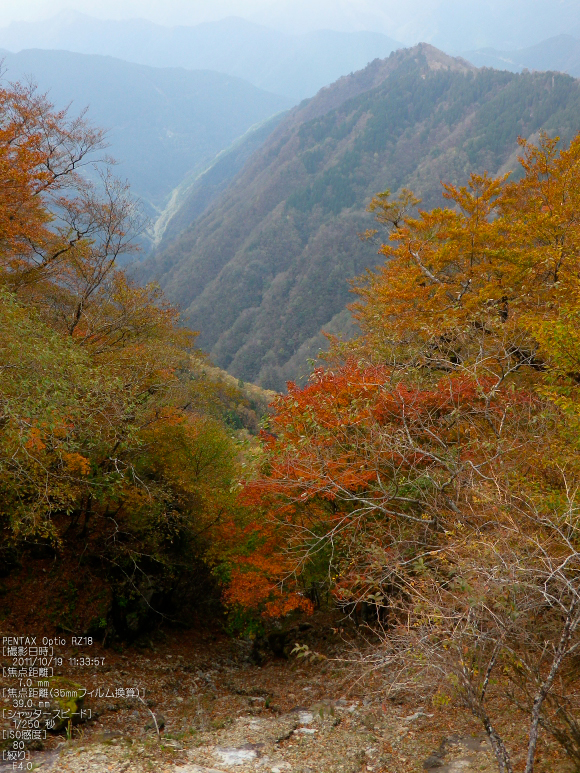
{"x":266,"y":266}
{"x":161,"y":123}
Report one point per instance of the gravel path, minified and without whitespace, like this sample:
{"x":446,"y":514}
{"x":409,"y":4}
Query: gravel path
{"x":328,"y":736}
{"x":219,"y":712}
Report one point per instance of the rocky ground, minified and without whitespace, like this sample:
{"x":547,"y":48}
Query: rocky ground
{"x":208,"y":708}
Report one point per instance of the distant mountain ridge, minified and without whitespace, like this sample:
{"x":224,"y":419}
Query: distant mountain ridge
{"x":561,"y":53}
{"x":452,"y":25}
{"x":295,"y":66}
{"x":266,"y":266}
{"x":163,"y":122}
{"x":197,"y":192}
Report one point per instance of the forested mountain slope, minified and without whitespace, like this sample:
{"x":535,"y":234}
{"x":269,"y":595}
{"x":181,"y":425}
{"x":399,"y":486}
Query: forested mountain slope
{"x":162,"y":122}
{"x":197,"y":191}
{"x":267,"y":265}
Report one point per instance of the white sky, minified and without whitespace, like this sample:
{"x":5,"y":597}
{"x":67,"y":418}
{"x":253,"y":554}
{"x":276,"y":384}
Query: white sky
{"x":161,"y":11}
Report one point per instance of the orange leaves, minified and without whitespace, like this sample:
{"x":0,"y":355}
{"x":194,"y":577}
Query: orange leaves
{"x":459,"y":282}
{"x":478,"y":199}
{"x":440,"y":394}
{"x":37,"y":151}
{"x":77,"y":464}
{"x":262,"y":578}
{"x":323,"y":431}
{"x":249,"y":589}
{"x":254,"y":590}
{"x":439,"y":397}
{"x":97,"y":366}
{"x":426,"y":478}
{"x":357,"y":451}
{"x":35,"y":442}
{"x":22,"y":173}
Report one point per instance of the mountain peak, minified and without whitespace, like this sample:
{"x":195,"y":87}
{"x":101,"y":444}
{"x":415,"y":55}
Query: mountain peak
{"x":265,"y":267}
{"x":375,"y":73}
{"x":437,"y":59}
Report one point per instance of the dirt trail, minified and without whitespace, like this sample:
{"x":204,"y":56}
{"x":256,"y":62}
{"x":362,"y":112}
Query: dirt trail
{"x":220,"y":713}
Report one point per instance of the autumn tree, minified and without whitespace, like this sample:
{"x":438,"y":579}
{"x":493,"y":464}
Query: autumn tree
{"x":105,"y":435}
{"x":425,"y":462}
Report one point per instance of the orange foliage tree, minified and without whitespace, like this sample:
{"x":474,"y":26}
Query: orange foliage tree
{"x":104,"y":428}
{"x":405,"y":468}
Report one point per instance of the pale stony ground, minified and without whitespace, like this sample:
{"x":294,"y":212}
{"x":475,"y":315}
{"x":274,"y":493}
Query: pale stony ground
{"x":329,"y":736}
{"x":223,"y":713}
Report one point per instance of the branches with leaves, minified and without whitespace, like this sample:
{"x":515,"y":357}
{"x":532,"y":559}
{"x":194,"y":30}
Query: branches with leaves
{"x":431,"y":464}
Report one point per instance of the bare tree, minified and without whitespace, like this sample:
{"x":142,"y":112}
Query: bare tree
{"x":497,"y":608}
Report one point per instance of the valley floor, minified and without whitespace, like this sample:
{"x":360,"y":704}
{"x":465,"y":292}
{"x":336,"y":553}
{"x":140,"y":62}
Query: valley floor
{"x":220,"y":712}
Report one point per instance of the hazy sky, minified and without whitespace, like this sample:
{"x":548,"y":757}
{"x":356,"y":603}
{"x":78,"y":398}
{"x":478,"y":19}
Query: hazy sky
{"x":458,"y":24}
{"x":161,"y":11}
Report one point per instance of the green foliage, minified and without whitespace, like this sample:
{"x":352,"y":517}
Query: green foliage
{"x":244,"y":622}
{"x":50,"y":401}
{"x":113,"y":444}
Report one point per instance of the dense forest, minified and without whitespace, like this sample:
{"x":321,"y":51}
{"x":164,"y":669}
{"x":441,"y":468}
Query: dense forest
{"x":430,"y":469}
{"x":266,"y":267}
{"x":118,"y":438}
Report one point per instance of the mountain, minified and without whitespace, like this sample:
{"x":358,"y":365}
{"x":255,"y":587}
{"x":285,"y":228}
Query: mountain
{"x":561,"y":53}
{"x":163,"y":122}
{"x":267,"y":264}
{"x":196,"y":192}
{"x":453,"y":25}
{"x":296,"y":66}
